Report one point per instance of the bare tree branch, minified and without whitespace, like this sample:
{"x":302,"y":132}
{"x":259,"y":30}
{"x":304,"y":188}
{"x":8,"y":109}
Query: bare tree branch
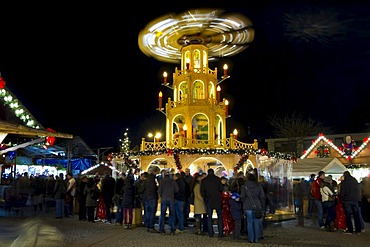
{"x":295,"y":127}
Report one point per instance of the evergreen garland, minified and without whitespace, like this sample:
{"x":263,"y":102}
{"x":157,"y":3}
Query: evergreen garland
{"x":176,"y":156}
{"x":240,"y":163}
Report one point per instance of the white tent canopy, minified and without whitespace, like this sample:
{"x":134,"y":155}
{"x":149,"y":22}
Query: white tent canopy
{"x":305,"y":167}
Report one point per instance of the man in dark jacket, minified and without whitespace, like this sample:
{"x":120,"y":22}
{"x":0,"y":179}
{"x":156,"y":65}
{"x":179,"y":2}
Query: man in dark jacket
{"x":350,"y":192}
{"x":150,"y":199}
{"x":180,"y":201}
{"x":211,"y":189}
{"x":140,"y":188}
{"x":189,"y":185}
{"x":167,"y":190}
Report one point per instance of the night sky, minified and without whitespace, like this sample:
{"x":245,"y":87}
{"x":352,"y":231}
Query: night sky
{"x":78,"y":68}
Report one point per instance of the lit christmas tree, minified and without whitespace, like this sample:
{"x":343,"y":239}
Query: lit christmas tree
{"x":125,"y":144}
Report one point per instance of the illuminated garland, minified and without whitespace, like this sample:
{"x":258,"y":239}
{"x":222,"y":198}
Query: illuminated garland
{"x":322,"y":151}
{"x":170,"y":152}
{"x":244,"y":153}
{"x":242,"y":160}
{"x":17,"y":107}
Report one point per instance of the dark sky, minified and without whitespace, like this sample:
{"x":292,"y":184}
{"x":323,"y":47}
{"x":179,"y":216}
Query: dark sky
{"x":78,"y":68}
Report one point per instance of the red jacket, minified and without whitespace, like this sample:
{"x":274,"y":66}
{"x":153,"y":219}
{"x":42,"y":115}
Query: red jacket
{"x":315,"y":188}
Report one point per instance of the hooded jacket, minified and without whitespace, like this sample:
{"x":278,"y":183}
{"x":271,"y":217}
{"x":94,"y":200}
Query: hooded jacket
{"x":256,"y":195}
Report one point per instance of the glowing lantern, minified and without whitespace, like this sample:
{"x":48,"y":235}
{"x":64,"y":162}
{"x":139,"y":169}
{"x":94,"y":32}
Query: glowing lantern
{"x":50,"y":139}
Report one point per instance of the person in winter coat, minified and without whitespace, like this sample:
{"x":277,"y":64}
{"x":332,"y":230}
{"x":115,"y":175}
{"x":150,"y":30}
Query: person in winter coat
{"x":227,"y":220}
{"x":167,"y":190}
{"x":82,"y":198}
{"x":211,"y":189}
{"x":365,"y":192}
{"x":59,"y":195}
{"x":107,"y":190}
{"x":140,"y":187}
{"x":236,"y":209}
{"x":340,"y":215}
{"x":70,"y":195}
{"x":189,"y":179}
{"x":91,"y":192}
{"x":310,"y":198}
{"x":235,"y":187}
{"x":350,"y":192}
{"x":128,"y":199}
{"x":150,"y":199}
{"x":180,"y":202}
{"x":200,"y":209}
{"x":252,"y":197}
{"x":327,"y":195}
{"x":315,"y":192}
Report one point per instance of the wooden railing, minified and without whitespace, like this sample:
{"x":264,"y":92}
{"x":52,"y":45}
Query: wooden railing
{"x":184,"y":143}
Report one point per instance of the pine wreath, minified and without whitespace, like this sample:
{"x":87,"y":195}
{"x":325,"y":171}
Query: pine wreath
{"x":322,"y":151}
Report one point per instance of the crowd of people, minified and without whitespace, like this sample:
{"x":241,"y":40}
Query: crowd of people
{"x":113,"y":200}
{"x":230,"y":202}
{"x":236,"y":205}
{"x":341,"y":205}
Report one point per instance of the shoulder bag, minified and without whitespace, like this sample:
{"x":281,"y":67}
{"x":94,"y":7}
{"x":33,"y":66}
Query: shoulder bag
{"x":257,"y":212}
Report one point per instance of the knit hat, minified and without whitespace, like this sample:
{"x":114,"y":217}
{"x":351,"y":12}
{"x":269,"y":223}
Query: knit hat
{"x":321,"y":173}
{"x":235,"y":196}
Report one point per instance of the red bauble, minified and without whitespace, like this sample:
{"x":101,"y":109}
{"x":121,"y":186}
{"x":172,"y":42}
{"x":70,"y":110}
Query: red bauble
{"x":50,"y":139}
{"x":2,"y":83}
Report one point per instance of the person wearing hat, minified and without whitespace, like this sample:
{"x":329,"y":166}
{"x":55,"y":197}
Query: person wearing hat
{"x":236,"y":209}
{"x":327,"y":197}
{"x":315,"y":191}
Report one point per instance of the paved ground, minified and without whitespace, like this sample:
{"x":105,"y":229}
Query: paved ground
{"x":42,"y":229}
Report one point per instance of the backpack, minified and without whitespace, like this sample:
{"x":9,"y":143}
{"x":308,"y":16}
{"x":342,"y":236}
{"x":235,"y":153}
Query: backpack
{"x":315,"y":190}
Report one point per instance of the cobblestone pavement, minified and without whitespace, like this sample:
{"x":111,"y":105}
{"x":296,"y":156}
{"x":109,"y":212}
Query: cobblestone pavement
{"x":42,"y":229}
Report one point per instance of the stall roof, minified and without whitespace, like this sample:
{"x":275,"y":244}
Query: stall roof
{"x":19,"y":129}
{"x":305,"y":167}
{"x":29,"y":141}
{"x":76,"y":146}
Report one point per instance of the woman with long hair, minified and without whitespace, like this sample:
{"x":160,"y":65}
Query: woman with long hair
{"x":253,"y":198}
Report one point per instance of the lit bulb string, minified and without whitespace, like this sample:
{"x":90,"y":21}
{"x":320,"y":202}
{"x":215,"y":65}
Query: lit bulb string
{"x":332,"y":145}
{"x":21,"y":111}
{"x":94,"y":167}
{"x":18,"y":108}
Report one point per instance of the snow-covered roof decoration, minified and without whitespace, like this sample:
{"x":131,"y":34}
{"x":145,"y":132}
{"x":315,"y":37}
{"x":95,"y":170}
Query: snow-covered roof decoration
{"x":329,"y":142}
